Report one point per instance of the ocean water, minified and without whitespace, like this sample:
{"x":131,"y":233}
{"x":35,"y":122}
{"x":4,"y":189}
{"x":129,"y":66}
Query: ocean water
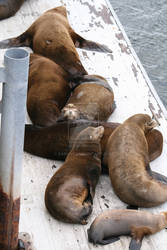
{"x":145,"y":23}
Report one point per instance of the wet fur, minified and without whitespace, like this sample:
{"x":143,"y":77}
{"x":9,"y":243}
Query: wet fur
{"x":128,"y":158}
{"x":9,"y":7}
{"x":70,"y":192}
{"x":90,"y":100}
{"x":111,"y":224}
{"x":48,"y":90}
{"x":52,"y":36}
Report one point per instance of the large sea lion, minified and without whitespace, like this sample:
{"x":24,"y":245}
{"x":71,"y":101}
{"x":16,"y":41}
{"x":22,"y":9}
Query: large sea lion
{"x":55,"y":142}
{"x":111,"y":224}
{"x":127,"y":158}
{"x":92,"y":99}
{"x":52,"y":36}
{"x":9,"y":7}
{"x":48,"y":90}
{"x":70,"y":192}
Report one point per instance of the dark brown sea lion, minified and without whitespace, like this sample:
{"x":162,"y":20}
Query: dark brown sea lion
{"x":127,"y":157}
{"x":48,"y":90}
{"x":9,"y":7}
{"x":111,"y":224}
{"x":55,"y":142}
{"x":70,"y":192}
{"x":92,"y":99}
{"x":52,"y":36}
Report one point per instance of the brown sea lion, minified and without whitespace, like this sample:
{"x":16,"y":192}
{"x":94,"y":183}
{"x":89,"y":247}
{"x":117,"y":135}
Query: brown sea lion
{"x":52,"y":36}
{"x":92,"y":99}
{"x":128,"y":158}
{"x":70,"y":192}
{"x":9,"y":7}
{"x":48,"y":90}
{"x":55,"y":142}
{"x":111,"y":224}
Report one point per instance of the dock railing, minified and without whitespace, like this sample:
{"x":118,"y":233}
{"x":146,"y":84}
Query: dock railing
{"x":14,"y":76}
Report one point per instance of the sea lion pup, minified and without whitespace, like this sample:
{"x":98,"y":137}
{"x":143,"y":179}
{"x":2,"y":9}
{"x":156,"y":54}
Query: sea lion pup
{"x":127,"y":158}
{"x":92,"y":99}
{"x":52,"y":36}
{"x":9,"y":7}
{"x":48,"y":90}
{"x":111,"y":224}
{"x":55,"y":142}
{"x":70,"y":192}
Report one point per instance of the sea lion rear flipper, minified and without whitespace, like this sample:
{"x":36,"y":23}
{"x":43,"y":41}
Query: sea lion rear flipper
{"x":135,"y":245}
{"x":82,"y":43}
{"x":109,"y":240}
{"x":21,"y":41}
{"x":156,"y":176}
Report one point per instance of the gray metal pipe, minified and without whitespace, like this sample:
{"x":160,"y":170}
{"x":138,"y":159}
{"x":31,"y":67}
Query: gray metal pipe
{"x":15,"y":76}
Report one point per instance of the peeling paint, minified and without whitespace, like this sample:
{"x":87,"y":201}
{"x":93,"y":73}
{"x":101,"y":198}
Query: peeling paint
{"x":119,"y":36}
{"x":103,"y":12}
{"x":135,"y":71}
{"x":115,"y":80}
{"x":124,"y":48}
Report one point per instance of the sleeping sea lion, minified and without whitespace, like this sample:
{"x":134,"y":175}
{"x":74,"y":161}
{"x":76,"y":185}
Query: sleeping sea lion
{"x":55,"y":142}
{"x":92,"y":99}
{"x":9,"y":7}
{"x":48,"y":90}
{"x":127,"y":158}
{"x":70,"y":192}
{"x":111,"y":224}
{"x":52,"y":36}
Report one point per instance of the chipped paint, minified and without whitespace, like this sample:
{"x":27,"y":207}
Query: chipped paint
{"x":124,"y":48}
{"x":115,"y":80}
{"x":135,"y":71}
{"x":119,"y":36}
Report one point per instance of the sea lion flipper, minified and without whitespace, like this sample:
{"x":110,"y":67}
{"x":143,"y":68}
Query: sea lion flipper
{"x":21,"y":41}
{"x":132,"y":207}
{"x":109,"y":240}
{"x":135,"y":245}
{"x":82,"y":43}
{"x":156,"y":176}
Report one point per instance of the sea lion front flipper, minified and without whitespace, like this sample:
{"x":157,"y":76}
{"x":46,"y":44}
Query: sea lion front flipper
{"x":109,"y":240}
{"x":21,"y":41}
{"x":156,"y":176}
{"x":135,"y":245}
{"x":82,"y":43}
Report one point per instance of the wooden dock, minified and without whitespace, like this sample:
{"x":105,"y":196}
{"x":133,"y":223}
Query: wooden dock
{"x":134,"y":93}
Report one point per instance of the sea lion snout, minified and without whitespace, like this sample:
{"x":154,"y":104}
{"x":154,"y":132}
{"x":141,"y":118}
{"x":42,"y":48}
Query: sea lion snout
{"x":71,"y":112}
{"x":97,"y":133}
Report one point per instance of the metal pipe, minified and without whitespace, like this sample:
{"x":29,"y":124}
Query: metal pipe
{"x":15,"y":74}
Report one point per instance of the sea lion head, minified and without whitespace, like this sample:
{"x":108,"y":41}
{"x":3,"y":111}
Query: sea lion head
{"x":70,"y":112}
{"x":144,"y":121}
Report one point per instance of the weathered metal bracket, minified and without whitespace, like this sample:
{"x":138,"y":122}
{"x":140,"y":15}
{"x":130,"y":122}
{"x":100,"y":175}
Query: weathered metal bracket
{"x":15,"y":78}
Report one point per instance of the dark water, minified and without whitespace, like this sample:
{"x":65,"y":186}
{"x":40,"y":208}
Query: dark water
{"x":145,"y":22}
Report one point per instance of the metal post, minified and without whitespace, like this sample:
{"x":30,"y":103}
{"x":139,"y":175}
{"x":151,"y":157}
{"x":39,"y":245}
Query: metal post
{"x":15,"y":76}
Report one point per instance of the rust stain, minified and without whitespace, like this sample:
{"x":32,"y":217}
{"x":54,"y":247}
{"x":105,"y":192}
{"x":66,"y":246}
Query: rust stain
{"x":135,"y":71}
{"x":124,"y":48}
{"x":104,"y":12}
{"x":119,"y":36}
{"x":9,"y":221}
{"x":115,"y":80}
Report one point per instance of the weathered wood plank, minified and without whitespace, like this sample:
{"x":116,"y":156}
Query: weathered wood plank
{"x":133,"y":94}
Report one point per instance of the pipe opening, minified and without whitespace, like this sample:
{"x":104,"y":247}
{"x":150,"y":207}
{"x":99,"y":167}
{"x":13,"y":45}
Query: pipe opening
{"x":15,"y":53}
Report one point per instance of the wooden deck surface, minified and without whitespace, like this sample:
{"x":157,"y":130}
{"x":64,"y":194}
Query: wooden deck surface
{"x":134,"y":93}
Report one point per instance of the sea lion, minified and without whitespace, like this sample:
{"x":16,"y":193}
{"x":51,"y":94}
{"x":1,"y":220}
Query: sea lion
{"x":92,"y":99}
{"x":70,"y":192}
{"x":111,"y":224}
{"x":9,"y":7}
{"x":52,"y":36}
{"x":55,"y":142}
{"x":48,"y":90}
{"x":127,"y":157}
